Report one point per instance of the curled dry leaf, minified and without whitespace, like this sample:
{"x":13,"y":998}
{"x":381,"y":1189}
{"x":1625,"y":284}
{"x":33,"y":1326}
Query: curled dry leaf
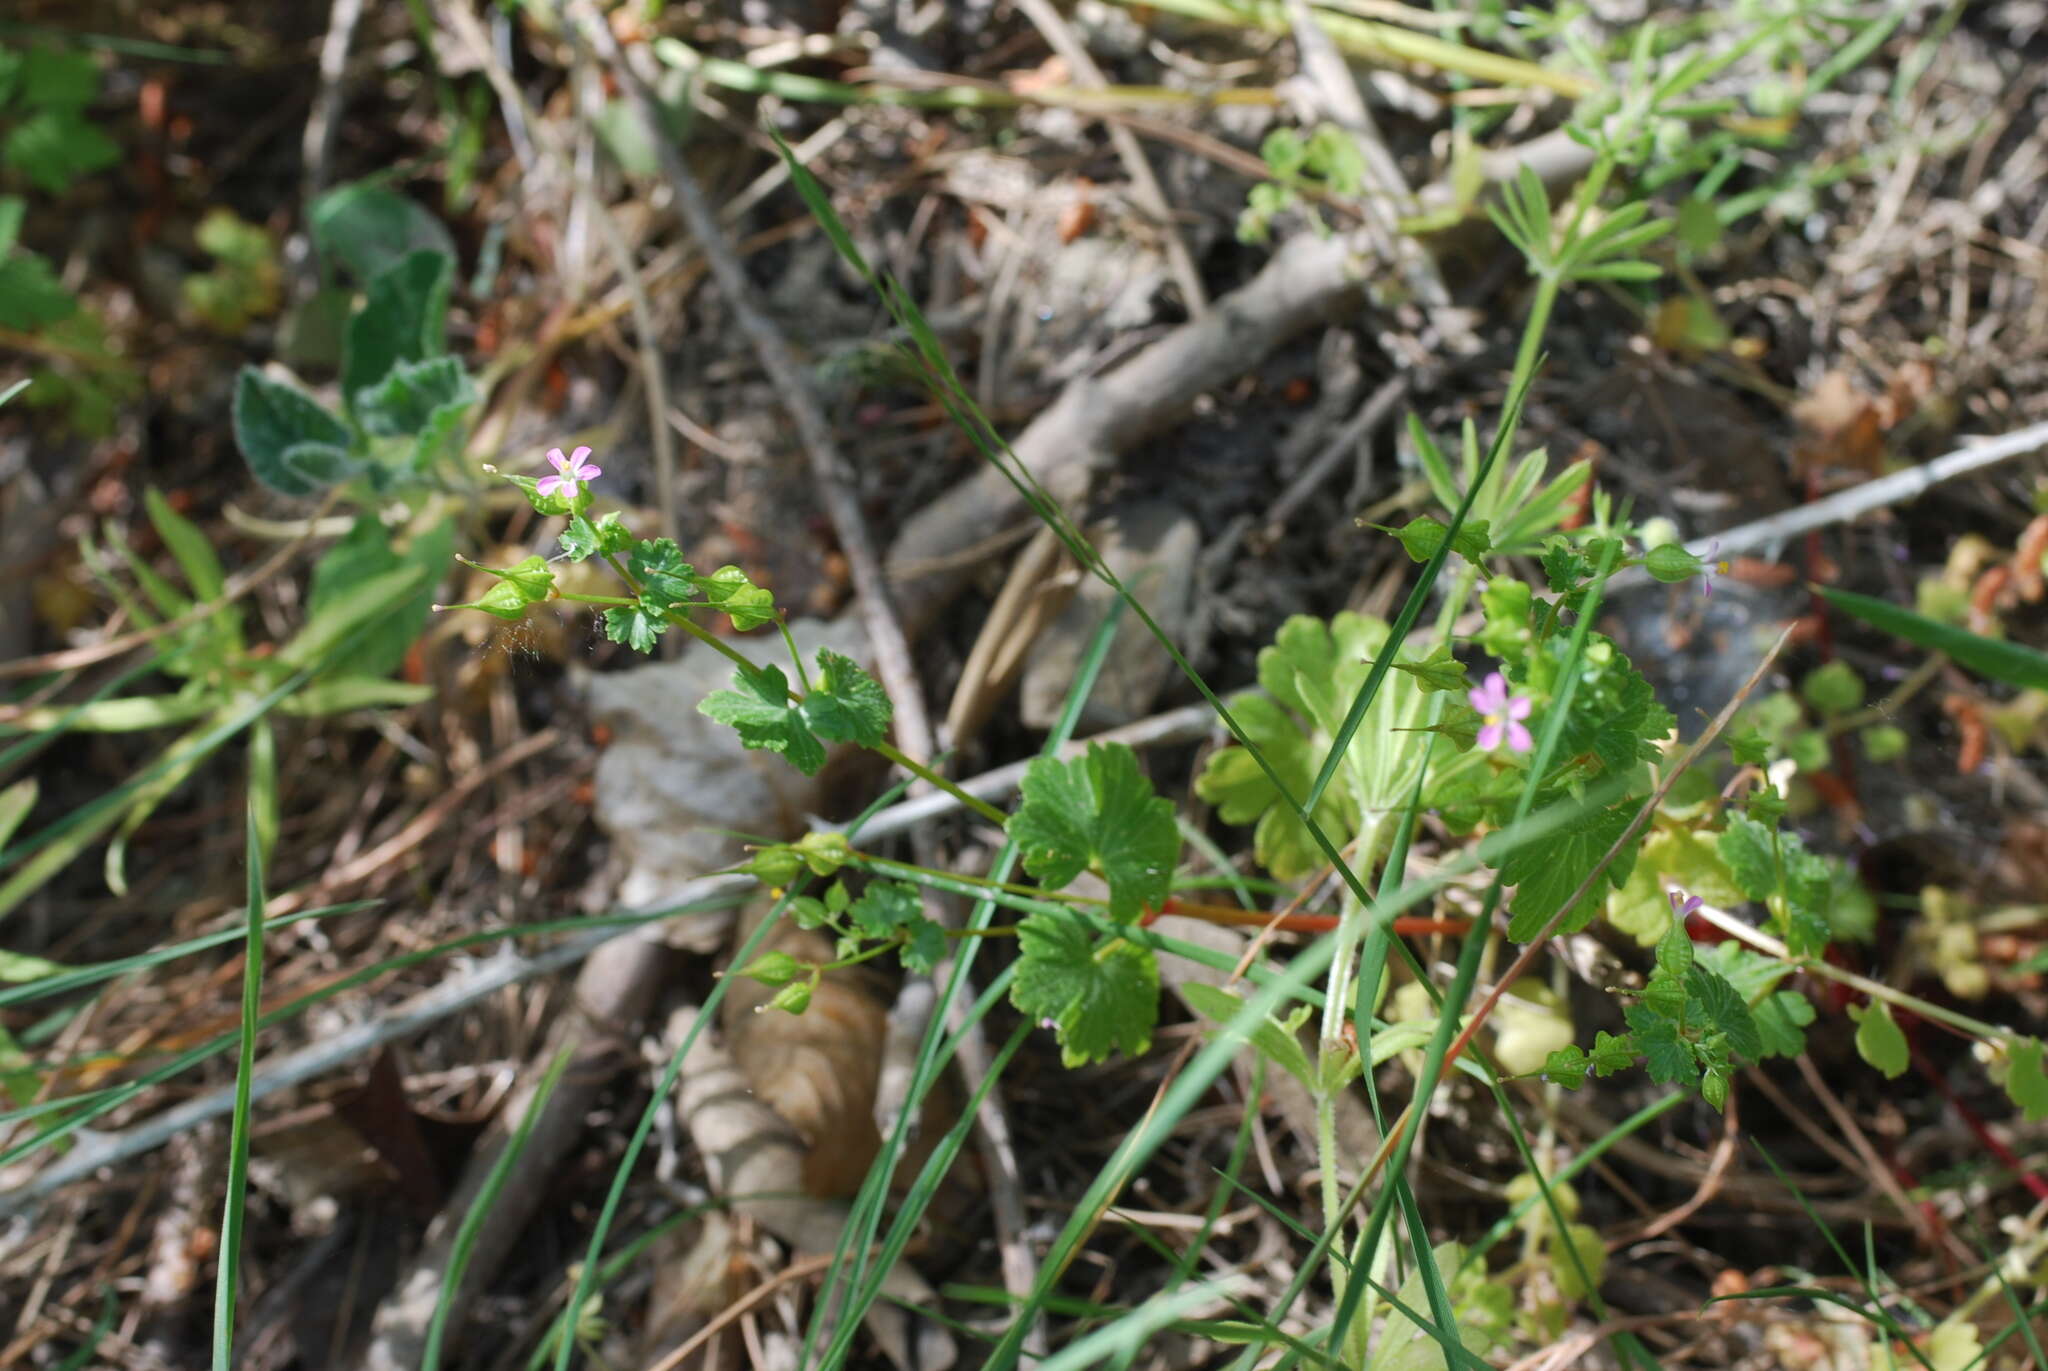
{"x":1841,"y":425}
{"x":819,"y":1069}
{"x":756,"y":1160}
{"x":1079,"y":215}
{"x":1970,"y":724}
{"x":2026,"y":560}
{"x":1991,"y":593}
{"x":697,"y":1275}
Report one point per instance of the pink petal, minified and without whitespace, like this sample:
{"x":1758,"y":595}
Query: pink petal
{"x":1518,"y":738}
{"x":556,"y":458}
{"x":547,"y":484}
{"x":587,"y":472}
{"x":1489,"y":736}
{"x":1519,"y":707}
{"x":578,"y":455}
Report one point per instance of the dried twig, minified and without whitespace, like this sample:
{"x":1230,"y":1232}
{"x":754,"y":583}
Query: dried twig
{"x":316,"y":147}
{"x":756,"y":1161}
{"x":614,"y":991}
{"x":1859,"y":500}
{"x":1098,"y":418}
{"x":353,"y":1044}
{"x":828,"y":466}
{"x":1389,"y":192}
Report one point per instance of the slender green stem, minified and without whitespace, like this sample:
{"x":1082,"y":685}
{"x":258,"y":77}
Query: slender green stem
{"x":611,"y":559}
{"x":925,"y":773}
{"x":1877,"y":990}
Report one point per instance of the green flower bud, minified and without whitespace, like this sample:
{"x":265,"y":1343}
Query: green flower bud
{"x":1671,"y":563}
{"x":794,"y":997}
{"x":775,"y":968}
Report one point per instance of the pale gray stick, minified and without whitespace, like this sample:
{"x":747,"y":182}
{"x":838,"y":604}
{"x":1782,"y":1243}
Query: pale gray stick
{"x":353,"y":1044}
{"x":1768,"y":532}
{"x":96,"y":1150}
{"x":1097,"y":418}
{"x":316,"y":146}
{"x":1331,"y":76}
{"x":1885,"y":490}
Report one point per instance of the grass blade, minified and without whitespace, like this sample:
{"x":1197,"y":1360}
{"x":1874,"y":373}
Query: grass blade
{"x":473,"y":1221}
{"x":232,"y":1215}
{"x":1993,"y":657}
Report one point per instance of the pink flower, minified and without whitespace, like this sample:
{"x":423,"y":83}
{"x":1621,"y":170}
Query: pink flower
{"x":1684,"y":906}
{"x":1501,"y":715}
{"x":569,"y":471}
{"x":1715,"y":565}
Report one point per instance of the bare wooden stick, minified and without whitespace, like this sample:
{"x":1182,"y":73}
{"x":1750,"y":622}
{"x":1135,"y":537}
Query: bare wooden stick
{"x":1096,"y":419}
{"x":356,"y":1043}
{"x":1894,"y":489}
{"x":1389,"y":193}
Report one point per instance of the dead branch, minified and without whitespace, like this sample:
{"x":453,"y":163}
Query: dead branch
{"x":1097,"y":419}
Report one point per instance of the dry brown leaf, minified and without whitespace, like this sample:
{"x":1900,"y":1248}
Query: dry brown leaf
{"x":1912,"y":385}
{"x":698,"y":1273}
{"x":2027,"y":558}
{"x":1842,"y":427}
{"x":819,"y":1069}
{"x":1051,"y":74}
{"x":1079,"y":215}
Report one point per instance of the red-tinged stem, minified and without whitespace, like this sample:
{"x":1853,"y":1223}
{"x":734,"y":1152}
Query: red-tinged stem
{"x":1296,"y":923}
{"x":1971,"y":1121}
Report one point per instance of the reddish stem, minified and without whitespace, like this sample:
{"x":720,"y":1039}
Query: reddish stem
{"x":1406,"y":927}
{"x":1984,"y":1135}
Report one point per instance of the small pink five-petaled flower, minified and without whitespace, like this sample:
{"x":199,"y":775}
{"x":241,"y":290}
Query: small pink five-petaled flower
{"x":569,"y":472}
{"x":1684,"y":906}
{"x":1713,"y":564}
{"x":1501,"y":714}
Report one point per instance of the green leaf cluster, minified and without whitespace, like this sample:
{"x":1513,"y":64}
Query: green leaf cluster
{"x":669,"y":587}
{"x":1100,"y":993}
{"x":1514,"y":508}
{"x":405,"y":402}
{"x":846,"y":705}
{"x":1098,"y":813}
{"x":1311,"y":673}
{"x":888,"y":912}
{"x":44,"y":93}
{"x":1546,"y":873}
{"x":246,"y":281}
{"x":1604,"y":251}
{"x":1328,"y":161}
{"x":1702,"y":1014}
{"x":1812,"y":899}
